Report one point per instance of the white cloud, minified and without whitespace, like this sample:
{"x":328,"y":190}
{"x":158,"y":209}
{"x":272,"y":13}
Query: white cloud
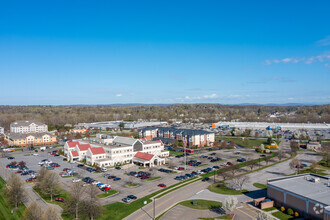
{"x":325,"y":57}
{"x":290,"y":98}
{"x":119,"y":95}
{"x":324,"y":42}
{"x":212,"y":96}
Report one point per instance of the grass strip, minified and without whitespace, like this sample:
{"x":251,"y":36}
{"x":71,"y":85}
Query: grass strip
{"x":153,"y":178}
{"x":221,"y":188}
{"x":260,"y":186}
{"x":107,"y":193}
{"x":282,"y":215}
{"x":201,"y":204}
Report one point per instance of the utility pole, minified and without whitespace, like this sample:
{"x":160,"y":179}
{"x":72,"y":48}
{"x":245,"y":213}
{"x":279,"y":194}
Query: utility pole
{"x":185,"y":157}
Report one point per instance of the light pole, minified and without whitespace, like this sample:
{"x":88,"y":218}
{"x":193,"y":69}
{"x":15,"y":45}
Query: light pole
{"x":185,"y":157}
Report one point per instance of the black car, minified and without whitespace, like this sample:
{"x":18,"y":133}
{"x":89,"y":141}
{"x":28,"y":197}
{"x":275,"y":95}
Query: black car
{"x":11,"y":158}
{"x":131,"y":197}
{"x":80,"y":165}
{"x":64,"y":159}
{"x":213,"y":154}
{"x":117,"y":168}
{"x":205,"y":179}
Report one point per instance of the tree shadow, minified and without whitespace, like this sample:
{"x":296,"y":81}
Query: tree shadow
{"x":257,"y":193}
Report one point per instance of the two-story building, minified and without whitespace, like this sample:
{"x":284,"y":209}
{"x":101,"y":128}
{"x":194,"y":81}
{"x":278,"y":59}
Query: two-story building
{"x":28,"y":126}
{"x":30,"y":139}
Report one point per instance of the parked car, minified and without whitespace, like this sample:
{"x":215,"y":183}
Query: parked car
{"x":127,"y":200}
{"x":111,"y":177}
{"x":104,"y":169}
{"x":162,"y":185}
{"x":105,"y":188}
{"x":206,"y":179}
{"x":75,"y":180}
{"x":131,"y":197}
{"x":59,"y":199}
{"x":230,"y":163}
{"x":241,"y":160}
{"x":116,"y":179}
{"x":144,"y":177}
{"x":11,"y":158}
{"x":117,"y":168}
{"x":181,"y":168}
{"x":80,"y":165}
{"x":29,"y":179}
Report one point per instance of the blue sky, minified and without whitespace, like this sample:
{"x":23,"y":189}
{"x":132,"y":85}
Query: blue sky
{"x":106,"y":52}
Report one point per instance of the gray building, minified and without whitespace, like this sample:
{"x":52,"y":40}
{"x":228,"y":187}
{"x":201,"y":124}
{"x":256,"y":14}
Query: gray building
{"x":308,"y":194}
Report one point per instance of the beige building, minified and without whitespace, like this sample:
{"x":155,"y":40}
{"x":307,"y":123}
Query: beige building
{"x":28,"y":126}
{"x":307,"y":194}
{"x":34,"y":139}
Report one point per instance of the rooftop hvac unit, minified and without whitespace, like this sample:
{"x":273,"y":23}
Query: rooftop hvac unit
{"x":316,"y":180}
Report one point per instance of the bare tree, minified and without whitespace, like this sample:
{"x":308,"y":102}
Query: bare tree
{"x":295,"y":164}
{"x":313,"y":165}
{"x":41,"y":175}
{"x":51,"y":214}
{"x":92,"y":207}
{"x":238,"y":182}
{"x":224,"y":174}
{"x":32,"y":212}
{"x":294,"y":146}
{"x":73,"y":206}
{"x":280,"y":154}
{"x":263,"y":216}
{"x":233,"y":169}
{"x":252,"y":163}
{"x":15,"y":191}
{"x":49,"y":183}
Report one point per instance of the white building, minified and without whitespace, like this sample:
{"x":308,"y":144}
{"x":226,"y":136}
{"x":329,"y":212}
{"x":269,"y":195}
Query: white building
{"x":2,"y":131}
{"x":28,"y":126}
{"x":122,"y":150}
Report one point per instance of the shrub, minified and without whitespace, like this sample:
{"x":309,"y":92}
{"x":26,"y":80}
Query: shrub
{"x":282,"y":209}
{"x":296,"y":214}
{"x":290,"y":211}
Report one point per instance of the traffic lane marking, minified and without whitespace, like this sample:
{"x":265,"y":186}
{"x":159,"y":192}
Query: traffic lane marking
{"x":152,"y":208}
{"x":245,"y":213}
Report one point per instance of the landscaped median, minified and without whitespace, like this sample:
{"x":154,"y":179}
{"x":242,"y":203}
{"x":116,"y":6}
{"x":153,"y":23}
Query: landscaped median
{"x":61,"y":193}
{"x":221,"y":188}
{"x":119,"y":210}
{"x":260,"y":186}
{"x":108,"y":193}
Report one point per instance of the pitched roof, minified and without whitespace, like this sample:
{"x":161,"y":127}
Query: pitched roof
{"x":144,"y":156}
{"x":74,"y":153}
{"x":84,"y":147}
{"x":161,"y":143}
{"x":97,"y":150}
{"x":25,"y":123}
{"x":124,"y":140}
{"x":73,"y":143}
{"x":19,"y":136}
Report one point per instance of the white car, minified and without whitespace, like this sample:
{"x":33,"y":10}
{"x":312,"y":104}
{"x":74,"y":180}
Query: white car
{"x":95,"y":182}
{"x":41,"y":163}
{"x":75,"y":180}
{"x":104,"y":169}
{"x":35,"y":154}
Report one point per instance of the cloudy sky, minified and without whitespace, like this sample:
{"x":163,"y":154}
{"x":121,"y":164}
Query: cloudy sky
{"x":106,"y":52}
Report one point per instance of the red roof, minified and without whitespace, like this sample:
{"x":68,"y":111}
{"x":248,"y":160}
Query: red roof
{"x":73,"y":144}
{"x":84,"y":147}
{"x":144,"y":156}
{"x":159,"y":141}
{"x":74,"y":153}
{"x":97,"y":150}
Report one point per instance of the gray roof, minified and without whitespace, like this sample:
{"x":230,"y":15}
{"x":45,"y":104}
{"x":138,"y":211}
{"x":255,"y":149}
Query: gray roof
{"x":124,"y":140}
{"x":24,"y":123}
{"x":300,"y":185}
{"x":190,"y":132}
{"x":15,"y":136}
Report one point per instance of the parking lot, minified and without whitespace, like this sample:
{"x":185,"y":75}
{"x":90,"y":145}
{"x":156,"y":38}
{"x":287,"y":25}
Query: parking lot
{"x":144,"y":187}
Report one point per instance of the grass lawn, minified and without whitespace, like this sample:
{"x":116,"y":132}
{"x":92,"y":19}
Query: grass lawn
{"x":259,"y":185}
{"x":108,"y":193}
{"x":175,"y":153}
{"x":223,"y":189}
{"x":5,"y":208}
{"x":269,"y":209}
{"x":246,"y":144}
{"x":153,"y":178}
{"x":201,"y":204}
{"x":308,"y":170}
{"x":132,"y":185}
{"x":62,"y":193}
{"x":282,"y":215}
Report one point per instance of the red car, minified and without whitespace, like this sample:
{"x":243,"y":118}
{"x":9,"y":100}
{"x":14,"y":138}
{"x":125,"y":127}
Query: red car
{"x":162,"y":185}
{"x":55,"y":165}
{"x":66,"y":169}
{"x":105,"y":188}
{"x":20,"y":171}
{"x":144,"y":177}
{"x":53,"y":153}
{"x":111,"y":177}
{"x":29,"y":180}
{"x":230,"y":163}
{"x":181,"y":168}
{"x":59,"y":199}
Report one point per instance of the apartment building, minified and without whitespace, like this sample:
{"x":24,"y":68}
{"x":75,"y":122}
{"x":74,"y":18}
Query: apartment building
{"x":189,"y":137}
{"x":308,"y":194}
{"x":30,"y":139}
{"x":120,"y":150}
{"x":28,"y":126}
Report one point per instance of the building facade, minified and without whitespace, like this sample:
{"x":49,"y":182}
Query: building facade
{"x":28,"y":126}
{"x":2,"y":130}
{"x":189,"y":137}
{"x":30,"y":139}
{"x":121,"y":150}
{"x":308,"y":194}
